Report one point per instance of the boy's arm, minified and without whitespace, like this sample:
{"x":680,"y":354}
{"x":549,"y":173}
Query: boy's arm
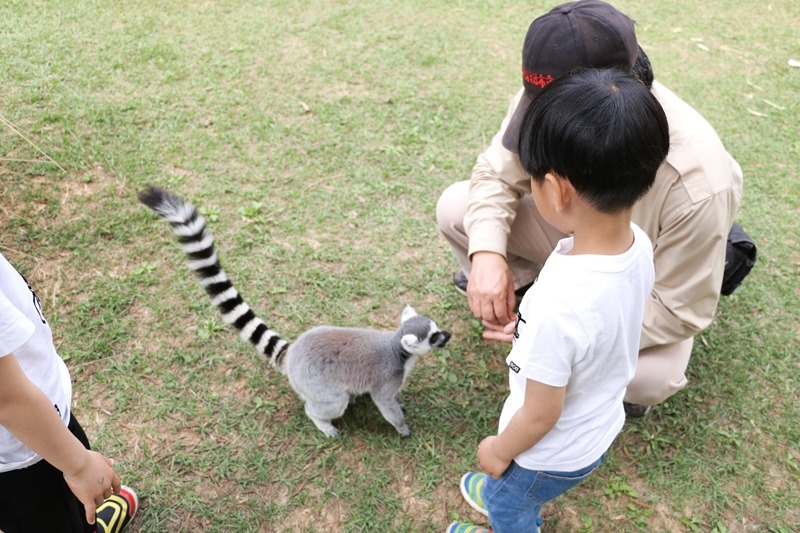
{"x":27,"y":413}
{"x":537,"y":416}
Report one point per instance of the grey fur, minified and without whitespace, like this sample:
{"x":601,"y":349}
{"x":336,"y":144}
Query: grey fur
{"x":327,"y":366}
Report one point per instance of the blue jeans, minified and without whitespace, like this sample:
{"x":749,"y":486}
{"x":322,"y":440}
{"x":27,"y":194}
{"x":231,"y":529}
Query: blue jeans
{"x":514,"y":500}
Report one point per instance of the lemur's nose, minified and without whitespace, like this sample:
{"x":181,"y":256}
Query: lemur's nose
{"x":444,"y":336}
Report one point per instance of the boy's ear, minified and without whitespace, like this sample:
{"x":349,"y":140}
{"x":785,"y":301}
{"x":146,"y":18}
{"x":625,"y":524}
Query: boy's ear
{"x":560,"y":190}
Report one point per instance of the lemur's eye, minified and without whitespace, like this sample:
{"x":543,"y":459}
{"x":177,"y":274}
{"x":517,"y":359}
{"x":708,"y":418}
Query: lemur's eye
{"x":435,"y":337}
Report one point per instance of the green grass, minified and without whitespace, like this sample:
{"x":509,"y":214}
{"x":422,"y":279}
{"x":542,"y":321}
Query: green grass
{"x":317,"y":139}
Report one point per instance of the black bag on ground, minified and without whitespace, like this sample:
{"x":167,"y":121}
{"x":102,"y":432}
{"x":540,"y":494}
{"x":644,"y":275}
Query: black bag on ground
{"x":740,"y":256}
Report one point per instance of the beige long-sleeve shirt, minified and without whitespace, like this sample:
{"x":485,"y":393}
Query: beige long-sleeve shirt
{"x":687,"y":214}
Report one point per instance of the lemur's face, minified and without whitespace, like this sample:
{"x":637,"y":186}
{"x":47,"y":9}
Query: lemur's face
{"x":420,"y":334}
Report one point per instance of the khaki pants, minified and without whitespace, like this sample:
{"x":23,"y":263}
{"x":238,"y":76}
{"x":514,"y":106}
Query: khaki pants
{"x":661,"y":371}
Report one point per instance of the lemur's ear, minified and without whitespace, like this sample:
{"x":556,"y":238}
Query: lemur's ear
{"x":410,"y":342}
{"x":408,"y":312}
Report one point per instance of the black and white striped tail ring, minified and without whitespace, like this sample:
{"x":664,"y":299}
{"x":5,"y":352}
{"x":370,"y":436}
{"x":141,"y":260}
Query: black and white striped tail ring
{"x":198,"y":245}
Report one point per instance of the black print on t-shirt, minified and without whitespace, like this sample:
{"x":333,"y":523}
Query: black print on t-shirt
{"x":516,"y":326}
{"x":37,"y":303}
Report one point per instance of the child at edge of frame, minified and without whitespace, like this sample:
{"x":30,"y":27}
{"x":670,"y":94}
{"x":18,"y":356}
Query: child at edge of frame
{"x":50,"y":479}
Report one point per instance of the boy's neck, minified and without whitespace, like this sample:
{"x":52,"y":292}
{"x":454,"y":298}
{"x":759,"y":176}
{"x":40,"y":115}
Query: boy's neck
{"x":602,"y":234}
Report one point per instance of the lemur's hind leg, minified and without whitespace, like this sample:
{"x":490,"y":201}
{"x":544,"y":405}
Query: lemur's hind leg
{"x":323,"y":411}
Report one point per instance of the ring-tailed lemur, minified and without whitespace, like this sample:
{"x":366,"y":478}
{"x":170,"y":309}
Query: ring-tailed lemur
{"x":327,"y":366}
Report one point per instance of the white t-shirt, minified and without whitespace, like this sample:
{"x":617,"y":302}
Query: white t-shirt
{"x":579,"y":327}
{"x":25,"y":333}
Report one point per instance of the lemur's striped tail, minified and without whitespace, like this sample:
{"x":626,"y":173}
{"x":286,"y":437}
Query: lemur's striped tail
{"x":198,"y":245}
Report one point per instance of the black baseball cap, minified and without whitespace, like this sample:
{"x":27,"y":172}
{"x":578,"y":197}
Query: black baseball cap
{"x":587,"y":33}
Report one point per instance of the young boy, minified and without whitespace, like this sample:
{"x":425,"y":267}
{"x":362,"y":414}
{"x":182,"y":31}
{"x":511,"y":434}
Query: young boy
{"x":591,"y":142}
{"x":49,"y":479}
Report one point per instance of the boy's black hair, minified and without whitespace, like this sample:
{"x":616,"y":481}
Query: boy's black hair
{"x":602,"y":130}
{"x":643,"y":69}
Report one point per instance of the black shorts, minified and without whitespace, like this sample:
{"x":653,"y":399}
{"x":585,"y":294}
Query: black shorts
{"x":37,"y":498}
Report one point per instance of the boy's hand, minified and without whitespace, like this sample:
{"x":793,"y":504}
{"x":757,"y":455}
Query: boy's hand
{"x":93,"y":482}
{"x":490,"y":462}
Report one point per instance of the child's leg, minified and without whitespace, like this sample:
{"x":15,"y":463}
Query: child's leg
{"x":76,"y":429}
{"x":515,"y":500}
{"x":37,"y":498}
{"x":510,"y":511}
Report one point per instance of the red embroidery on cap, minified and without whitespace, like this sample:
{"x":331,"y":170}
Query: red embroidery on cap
{"x":540,"y":80}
